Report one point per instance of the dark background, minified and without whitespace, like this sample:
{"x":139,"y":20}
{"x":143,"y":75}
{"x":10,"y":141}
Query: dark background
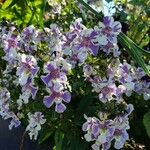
{"x":11,"y":139}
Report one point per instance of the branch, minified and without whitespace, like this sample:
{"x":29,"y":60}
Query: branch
{"x":22,"y":140}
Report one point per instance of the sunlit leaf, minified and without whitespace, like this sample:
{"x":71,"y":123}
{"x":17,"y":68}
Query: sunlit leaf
{"x":134,"y":52}
{"x":12,"y":4}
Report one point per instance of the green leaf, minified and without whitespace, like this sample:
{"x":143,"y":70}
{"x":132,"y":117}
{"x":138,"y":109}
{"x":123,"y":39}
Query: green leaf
{"x":146,"y":121}
{"x":14,"y":2}
{"x":44,"y":137}
{"x":41,"y":20}
{"x":133,"y":43}
{"x":65,"y":143}
{"x":89,"y":8}
{"x":6,"y":4}
{"x":134,"y":51}
{"x":77,"y":143}
{"x":58,"y":139}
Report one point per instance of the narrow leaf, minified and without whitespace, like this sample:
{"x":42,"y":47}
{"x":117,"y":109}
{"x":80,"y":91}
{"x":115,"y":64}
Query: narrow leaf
{"x":89,"y":8}
{"x":45,"y":137}
{"x":133,"y":51}
{"x":58,"y":139}
{"x":146,"y":121}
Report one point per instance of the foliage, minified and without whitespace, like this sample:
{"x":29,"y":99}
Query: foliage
{"x":146,"y":121}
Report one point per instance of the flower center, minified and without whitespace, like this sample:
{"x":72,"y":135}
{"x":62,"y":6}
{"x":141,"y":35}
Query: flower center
{"x":107,"y":30}
{"x":12,"y":43}
{"x":55,"y":73}
{"x":86,"y":42}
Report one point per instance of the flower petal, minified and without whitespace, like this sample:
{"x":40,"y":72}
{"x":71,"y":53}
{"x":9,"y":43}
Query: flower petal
{"x":48,"y":101}
{"x":66,"y":96}
{"x":60,"y":107}
{"x":46,"y":79}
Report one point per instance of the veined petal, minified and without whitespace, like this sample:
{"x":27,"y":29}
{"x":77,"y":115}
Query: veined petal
{"x":108,"y":21}
{"x":48,"y":101}
{"x":102,"y":137}
{"x":94,"y":49}
{"x":33,"y":91}
{"x":102,"y":39}
{"x":60,"y":107}
{"x":95,"y":129}
{"x":66,"y":96}
{"x":58,"y":87}
{"x":116,"y":27}
{"x":34,"y":71}
{"x":46,"y":79}
{"x":85,"y":126}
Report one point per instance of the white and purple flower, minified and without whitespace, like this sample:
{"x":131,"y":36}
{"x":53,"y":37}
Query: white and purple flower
{"x":27,"y":68}
{"x":57,"y":84}
{"x":35,"y":122}
{"x":57,"y":98}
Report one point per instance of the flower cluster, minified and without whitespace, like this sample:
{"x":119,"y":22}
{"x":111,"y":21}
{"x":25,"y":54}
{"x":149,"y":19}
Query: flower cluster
{"x":131,"y":78}
{"x":80,"y":42}
{"x":10,"y":44}
{"x":103,"y":131}
{"x":57,"y":84}
{"x":35,"y":122}
{"x":75,"y":44}
{"x":121,"y":79}
{"x":5,"y":111}
{"x":26,"y":71}
{"x":26,"y":52}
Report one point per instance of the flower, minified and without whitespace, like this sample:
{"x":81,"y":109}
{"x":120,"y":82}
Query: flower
{"x":108,"y":31}
{"x":57,"y":84}
{"x":27,"y":68}
{"x":91,"y":126}
{"x":26,"y":71}
{"x":57,"y":98}
{"x":86,"y":42}
{"x":35,"y":122}
{"x":120,"y":134}
{"x":28,"y":40}
{"x":15,"y":122}
{"x":10,"y":46}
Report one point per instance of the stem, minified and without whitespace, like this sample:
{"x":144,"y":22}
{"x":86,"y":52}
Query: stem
{"x":22,"y":140}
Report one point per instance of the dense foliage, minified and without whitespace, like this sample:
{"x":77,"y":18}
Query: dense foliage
{"x":77,"y":73}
